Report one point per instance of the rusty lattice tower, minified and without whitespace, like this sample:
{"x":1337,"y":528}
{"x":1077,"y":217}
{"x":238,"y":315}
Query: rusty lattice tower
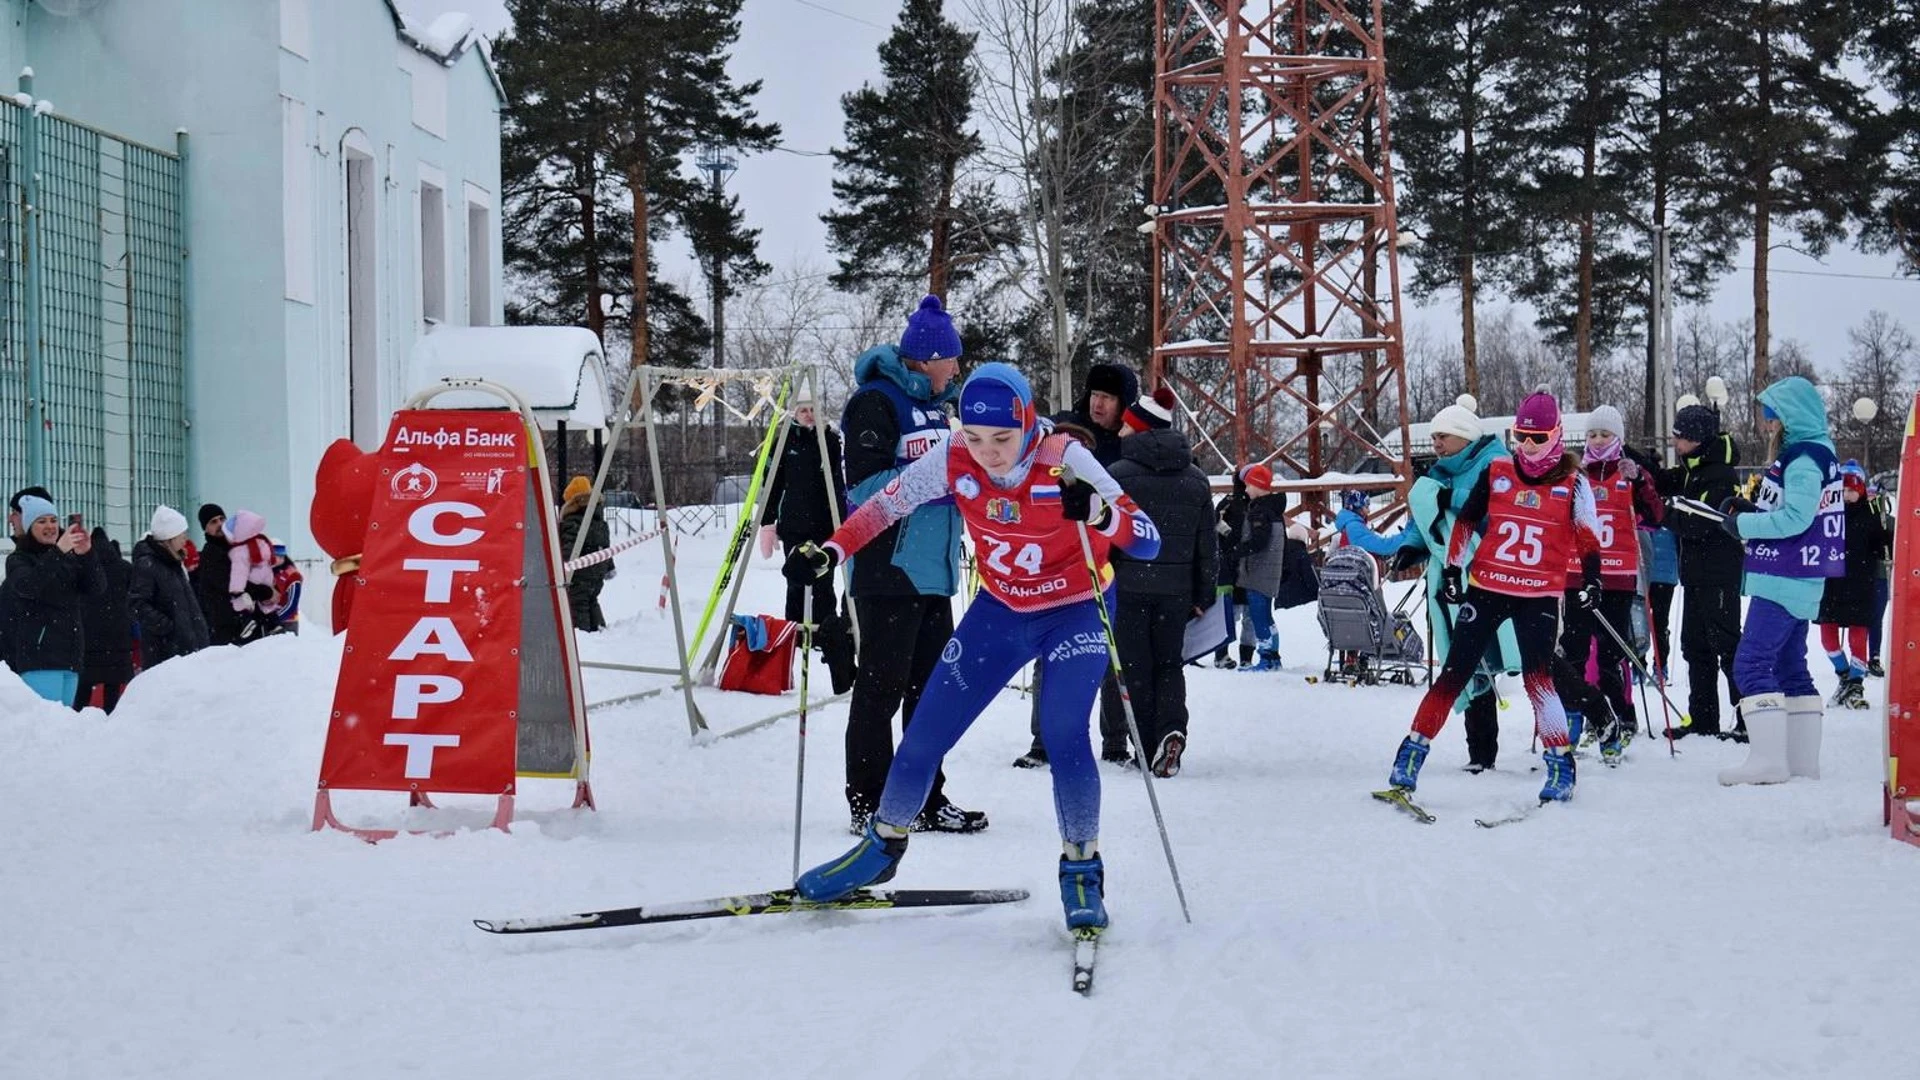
{"x":1277,"y":283}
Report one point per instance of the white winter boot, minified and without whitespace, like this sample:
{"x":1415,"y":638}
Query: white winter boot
{"x":1766,"y":716}
{"x":1803,"y":735}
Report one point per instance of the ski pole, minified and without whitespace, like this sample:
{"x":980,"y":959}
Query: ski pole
{"x":1126,"y":702}
{"x":800,"y":764}
{"x":1642,"y":667}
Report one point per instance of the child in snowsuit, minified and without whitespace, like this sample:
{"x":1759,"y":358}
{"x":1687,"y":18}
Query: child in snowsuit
{"x":1263,"y":560}
{"x":1795,"y":532}
{"x":1847,"y":603}
{"x":1534,"y":514}
{"x":250,"y":575}
{"x":1027,"y":496}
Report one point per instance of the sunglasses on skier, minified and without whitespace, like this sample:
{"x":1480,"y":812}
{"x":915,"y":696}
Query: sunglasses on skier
{"x":1537,"y":438}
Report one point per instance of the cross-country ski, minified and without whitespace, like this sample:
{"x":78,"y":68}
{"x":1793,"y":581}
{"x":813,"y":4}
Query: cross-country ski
{"x":780,"y":902}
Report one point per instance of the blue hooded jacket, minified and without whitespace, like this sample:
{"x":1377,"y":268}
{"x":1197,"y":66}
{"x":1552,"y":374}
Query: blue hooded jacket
{"x":924,"y":547}
{"x":1452,"y":477}
{"x":1803,"y":418}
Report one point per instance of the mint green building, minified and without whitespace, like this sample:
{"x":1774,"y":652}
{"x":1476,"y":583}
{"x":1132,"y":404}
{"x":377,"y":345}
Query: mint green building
{"x":225,"y":223}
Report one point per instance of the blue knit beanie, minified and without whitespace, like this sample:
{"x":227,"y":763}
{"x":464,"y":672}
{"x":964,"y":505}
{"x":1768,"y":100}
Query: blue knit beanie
{"x":930,"y":334}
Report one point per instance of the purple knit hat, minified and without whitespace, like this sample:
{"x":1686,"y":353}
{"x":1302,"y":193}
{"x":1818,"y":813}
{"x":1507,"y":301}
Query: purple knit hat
{"x":1540,"y":412}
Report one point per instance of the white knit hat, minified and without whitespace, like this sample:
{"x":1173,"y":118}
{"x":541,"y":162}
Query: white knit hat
{"x":1606,"y":418}
{"x":1456,"y":420}
{"x":167,"y":523}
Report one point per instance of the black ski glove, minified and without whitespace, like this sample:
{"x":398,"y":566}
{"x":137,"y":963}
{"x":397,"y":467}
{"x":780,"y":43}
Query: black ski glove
{"x":807,"y":564}
{"x":1453,"y":586}
{"x":1406,"y":559}
{"x":1588,"y":595}
{"x":1076,"y":499}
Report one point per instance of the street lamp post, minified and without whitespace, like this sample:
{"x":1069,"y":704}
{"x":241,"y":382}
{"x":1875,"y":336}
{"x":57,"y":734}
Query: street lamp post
{"x":1864,"y":410}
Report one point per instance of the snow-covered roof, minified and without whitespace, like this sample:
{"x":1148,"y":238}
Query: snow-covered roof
{"x":558,"y":370}
{"x":446,"y":39}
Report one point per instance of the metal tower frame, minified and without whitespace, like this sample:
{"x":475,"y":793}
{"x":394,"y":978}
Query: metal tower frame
{"x":1276,"y":276}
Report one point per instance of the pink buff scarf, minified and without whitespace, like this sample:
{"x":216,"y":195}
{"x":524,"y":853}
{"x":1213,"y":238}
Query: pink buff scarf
{"x":1534,"y":459}
{"x":1609,"y":452}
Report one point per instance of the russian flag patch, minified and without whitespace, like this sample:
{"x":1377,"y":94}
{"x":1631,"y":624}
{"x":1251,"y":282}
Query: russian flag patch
{"x":1044,"y":492}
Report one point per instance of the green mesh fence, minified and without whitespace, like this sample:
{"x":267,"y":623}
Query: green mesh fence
{"x":105,"y":253}
{"x":13,"y":343}
{"x":156,"y":329}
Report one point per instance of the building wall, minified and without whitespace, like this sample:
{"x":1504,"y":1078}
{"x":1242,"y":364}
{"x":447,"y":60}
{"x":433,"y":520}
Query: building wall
{"x":271,"y":93}
{"x":424,"y":124}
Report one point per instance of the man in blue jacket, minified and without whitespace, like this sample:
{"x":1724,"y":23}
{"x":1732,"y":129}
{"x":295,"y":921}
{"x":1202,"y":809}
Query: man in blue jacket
{"x":1795,"y":534}
{"x":903,"y":581}
{"x":1463,"y":452}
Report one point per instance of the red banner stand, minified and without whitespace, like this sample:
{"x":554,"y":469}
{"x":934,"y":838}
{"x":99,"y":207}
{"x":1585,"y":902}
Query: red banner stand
{"x":1901,"y":802}
{"x":459,"y":673}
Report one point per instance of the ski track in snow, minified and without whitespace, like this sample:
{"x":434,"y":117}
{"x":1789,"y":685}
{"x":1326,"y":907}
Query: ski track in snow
{"x":172,"y":917}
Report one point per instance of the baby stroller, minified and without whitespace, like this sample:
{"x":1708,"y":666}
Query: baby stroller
{"x":1366,"y":644}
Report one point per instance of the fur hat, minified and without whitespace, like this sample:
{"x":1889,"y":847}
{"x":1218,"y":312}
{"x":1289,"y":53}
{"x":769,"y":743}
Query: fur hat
{"x":1154,"y":413}
{"x":579,"y":485}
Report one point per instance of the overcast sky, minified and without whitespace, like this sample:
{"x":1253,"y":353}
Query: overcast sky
{"x":809,"y":52}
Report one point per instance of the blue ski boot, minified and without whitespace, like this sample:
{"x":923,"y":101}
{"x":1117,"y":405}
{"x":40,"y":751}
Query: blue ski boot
{"x":1559,"y":786}
{"x":1576,"y":726}
{"x":1406,"y":763}
{"x":1081,"y":881}
{"x":872,"y":861}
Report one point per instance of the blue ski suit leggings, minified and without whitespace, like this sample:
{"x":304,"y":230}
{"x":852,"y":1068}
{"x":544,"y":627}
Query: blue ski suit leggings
{"x":1772,"y":658}
{"x":991,"y":643}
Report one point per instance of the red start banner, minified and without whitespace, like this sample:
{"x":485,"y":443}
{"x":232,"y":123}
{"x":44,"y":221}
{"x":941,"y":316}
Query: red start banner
{"x":430,"y":679}
{"x":1902,"y":792}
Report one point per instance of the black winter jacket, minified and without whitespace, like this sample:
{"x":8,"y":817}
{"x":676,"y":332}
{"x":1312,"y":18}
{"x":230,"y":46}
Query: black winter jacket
{"x":43,"y":589}
{"x":584,"y":585}
{"x":797,"y":503}
{"x":210,"y":588}
{"x":106,"y":618}
{"x":1708,"y":556}
{"x":161,"y":600}
{"x":1848,"y":600}
{"x":1157,"y":469}
{"x":1232,"y":512}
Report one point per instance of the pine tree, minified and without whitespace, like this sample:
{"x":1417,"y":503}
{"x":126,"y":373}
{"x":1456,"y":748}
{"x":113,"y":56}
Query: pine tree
{"x":901,"y":223}
{"x":567,"y":236}
{"x":1893,"y":48}
{"x":644,"y":81}
{"x":1449,"y":65}
{"x":1582,"y":271}
{"x":1785,"y":145}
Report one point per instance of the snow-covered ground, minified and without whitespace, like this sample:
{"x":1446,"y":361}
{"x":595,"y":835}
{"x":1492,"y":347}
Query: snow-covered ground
{"x":169,"y":914}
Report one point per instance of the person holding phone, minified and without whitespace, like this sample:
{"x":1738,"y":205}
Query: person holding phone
{"x":48,"y":573}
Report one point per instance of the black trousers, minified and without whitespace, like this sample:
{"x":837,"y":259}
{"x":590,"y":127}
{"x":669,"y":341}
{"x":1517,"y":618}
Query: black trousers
{"x":1483,"y":726}
{"x":904,"y":636}
{"x":1578,"y":633}
{"x":109,"y":697}
{"x":1709,"y":636}
{"x":1151,"y":634}
{"x":1660,"y":605}
{"x":1536,"y":626}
